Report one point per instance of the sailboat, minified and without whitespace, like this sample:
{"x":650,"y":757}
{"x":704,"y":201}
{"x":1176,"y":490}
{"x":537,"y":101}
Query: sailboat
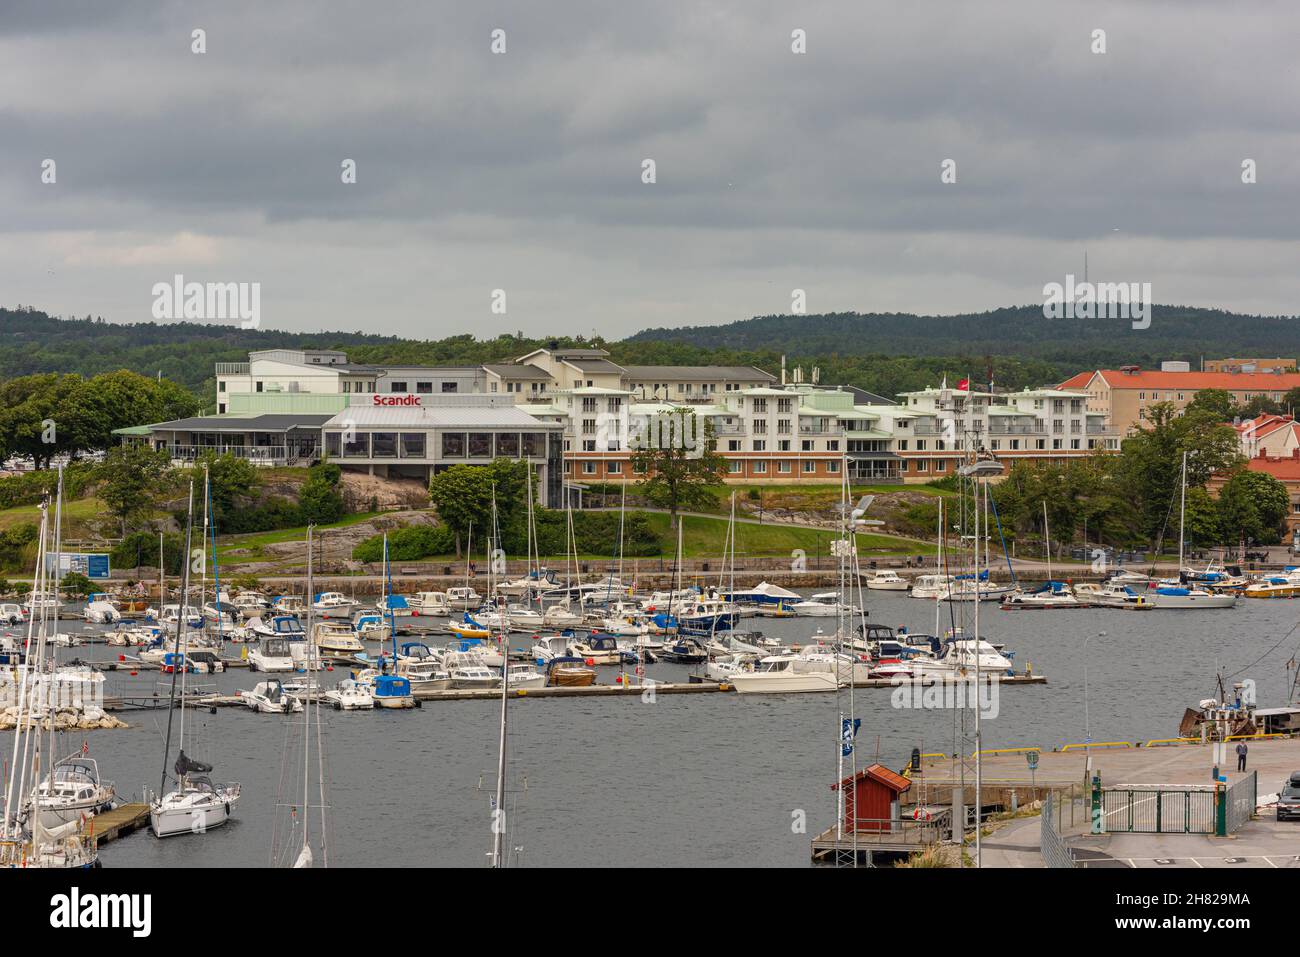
{"x":33,"y":842}
{"x":196,"y":804}
{"x":1179,"y":593}
{"x":298,"y":842}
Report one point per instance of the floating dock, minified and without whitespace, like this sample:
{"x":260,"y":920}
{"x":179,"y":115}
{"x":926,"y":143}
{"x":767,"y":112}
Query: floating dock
{"x":123,"y":819}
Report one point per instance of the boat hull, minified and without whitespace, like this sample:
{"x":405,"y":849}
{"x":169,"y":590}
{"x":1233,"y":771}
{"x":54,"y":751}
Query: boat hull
{"x":783,"y":683}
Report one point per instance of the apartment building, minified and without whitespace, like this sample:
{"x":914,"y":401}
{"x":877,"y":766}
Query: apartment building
{"x":1248,"y":365}
{"x":1122,"y":395}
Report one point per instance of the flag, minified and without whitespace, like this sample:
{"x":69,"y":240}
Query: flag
{"x":848,"y":733}
{"x":964,"y":385}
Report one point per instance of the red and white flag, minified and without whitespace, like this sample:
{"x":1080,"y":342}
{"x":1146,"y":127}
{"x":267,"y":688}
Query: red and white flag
{"x":964,"y":385}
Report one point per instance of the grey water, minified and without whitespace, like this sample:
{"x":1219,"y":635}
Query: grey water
{"x":687,"y":780}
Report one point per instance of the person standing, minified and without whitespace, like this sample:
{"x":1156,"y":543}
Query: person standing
{"x":1241,"y":755}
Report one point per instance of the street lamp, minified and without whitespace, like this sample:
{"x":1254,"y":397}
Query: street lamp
{"x":1087,"y":727}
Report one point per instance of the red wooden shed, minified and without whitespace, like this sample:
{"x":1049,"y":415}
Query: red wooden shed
{"x":871,"y":799}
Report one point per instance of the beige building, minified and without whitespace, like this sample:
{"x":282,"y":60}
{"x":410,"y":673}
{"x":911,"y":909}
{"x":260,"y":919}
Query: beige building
{"x":1122,"y":395}
{"x":1248,"y":365}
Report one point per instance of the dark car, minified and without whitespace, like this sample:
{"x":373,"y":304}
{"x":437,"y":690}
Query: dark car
{"x":1288,"y":802}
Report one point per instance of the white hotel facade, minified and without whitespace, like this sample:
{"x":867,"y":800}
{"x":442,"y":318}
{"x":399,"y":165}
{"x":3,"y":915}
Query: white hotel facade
{"x":569,"y":411}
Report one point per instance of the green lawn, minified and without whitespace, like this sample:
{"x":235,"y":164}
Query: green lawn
{"x":77,"y":518}
{"x":705,"y":538}
{"x":250,"y":546}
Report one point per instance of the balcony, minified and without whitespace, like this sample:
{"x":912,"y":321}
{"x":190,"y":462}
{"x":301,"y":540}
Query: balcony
{"x":257,"y":454}
{"x":232,"y":368}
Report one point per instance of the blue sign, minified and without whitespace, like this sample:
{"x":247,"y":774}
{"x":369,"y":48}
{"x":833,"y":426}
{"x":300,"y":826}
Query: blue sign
{"x":92,"y":565}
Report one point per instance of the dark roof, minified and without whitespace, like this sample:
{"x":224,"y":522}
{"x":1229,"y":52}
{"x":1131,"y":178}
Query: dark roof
{"x":267,"y":422}
{"x":516,"y":370}
{"x":863,"y":397}
{"x":593,"y":365}
{"x":700,"y":373}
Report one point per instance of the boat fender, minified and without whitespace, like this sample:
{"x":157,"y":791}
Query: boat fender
{"x":921,"y":814}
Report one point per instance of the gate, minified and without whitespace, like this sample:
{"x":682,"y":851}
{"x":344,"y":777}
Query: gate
{"x":1158,"y":810}
{"x":1240,"y":800}
{"x":1054,"y":850}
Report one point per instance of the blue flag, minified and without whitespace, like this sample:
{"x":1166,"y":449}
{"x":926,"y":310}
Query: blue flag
{"x":848,"y":733}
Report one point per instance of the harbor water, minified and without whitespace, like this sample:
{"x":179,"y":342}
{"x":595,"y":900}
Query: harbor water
{"x":687,"y":780}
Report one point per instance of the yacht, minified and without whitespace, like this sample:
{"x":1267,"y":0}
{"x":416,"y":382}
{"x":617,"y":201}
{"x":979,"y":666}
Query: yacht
{"x":373,"y":627}
{"x":76,"y":791}
{"x":271,"y":655}
{"x":197,"y":805}
{"x":1181,"y":596}
{"x":514,"y":616}
{"x":467,"y":627}
{"x":100,"y":612}
{"x":531,"y":585}
{"x":524,"y":677}
{"x":824,"y":605}
{"x":289,"y":605}
{"x":552,"y":646}
{"x":932,"y":586}
{"x":333,"y":604}
{"x":249,"y":604}
{"x":964,"y":588}
{"x":334,"y":638}
{"x":394,"y":605}
{"x":430,"y":603}
{"x":596,"y":649}
{"x":887,"y":580}
{"x":776,"y":674}
{"x":1274,"y":586}
{"x":764,"y":593}
{"x":463,"y":598}
{"x":468,"y":671}
{"x":1111,"y":594}
{"x":12,"y":614}
{"x":560,"y":616}
{"x":706,"y":615}
{"x":42,"y":601}
{"x":350,"y":695}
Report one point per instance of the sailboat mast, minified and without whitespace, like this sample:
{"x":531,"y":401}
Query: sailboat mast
{"x":1182,"y":515}
{"x":1047,"y":541}
{"x":499,"y":821}
{"x":180,"y":629}
{"x":306,"y":719}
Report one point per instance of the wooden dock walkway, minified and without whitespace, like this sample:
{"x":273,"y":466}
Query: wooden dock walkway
{"x":124,"y":819}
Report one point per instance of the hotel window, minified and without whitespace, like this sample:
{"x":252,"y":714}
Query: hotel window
{"x":902,"y":445}
{"x":833,"y":445}
{"x":480,"y":445}
{"x":809,"y":468}
{"x":588,"y":404}
{"x":760,"y":468}
{"x":783,"y":468}
{"x":453,"y":445}
{"x":1040,"y":443}
{"x":1015,"y":443}
{"x":734,"y":467}
{"x":412,"y":445}
{"x":758,"y":405}
{"x":615,"y":404}
{"x":996,"y":444}
{"x":259,"y":385}
{"x":588,"y":445}
{"x":508,"y":444}
{"x":383,"y":445}
{"x":783,"y":426}
{"x":760,"y":445}
{"x":806,"y":445}
{"x":397,"y":386}
{"x":833,"y":468}
{"x":920,"y":445}
{"x":333,"y":444}
{"x":783,"y":405}
{"x":758,"y":426}
{"x":615,"y":468}
{"x":534,"y":443}
{"x":449,"y":387}
{"x":1056,"y":444}
{"x":733,"y":445}
{"x":426,"y":388}
{"x":783,"y":445}
{"x":588,"y":468}
{"x":1074,"y":443}
{"x":359,"y":447}
{"x":588,"y":426}
{"x":922,"y":465}
{"x":221,"y":385}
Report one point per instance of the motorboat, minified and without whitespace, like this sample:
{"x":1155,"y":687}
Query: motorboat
{"x":532,"y":584}
{"x":196,"y":806}
{"x":463,"y":598}
{"x":1273,"y":586}
{"x":1052,"y":594}
{"x":42,"y":601}
{"x":568,"y":672}
{"x":270,"y":697}
{"x":12,"y":614}
{"x":169,"y":616}
{"x":596,"y":649}
{"x":932,"y":587}
{"x":75,"y":790}
{"x":372,"y":627}
{"x":249,"y":604}
{"x":776,"y":674}
{"x":764,"y":593}
{"x":684,"y":651}
{"x":964,"y":588}
{"x":823,"y":605}
{"x":514,"y":617}
{"x":193,"y":661}
{"x":468,"y":627}
{"x":395,"y":606}
{"x":271,"y":655}
{"x":333,"y":604}
{"x":488,"y":654}
{"x":335,"y":638}
{"x":707,"y":615}
{"x":429,"y":603}
{"x":280,"y":626}
{"x":100,"y":612}
{"x":350,"y":695}
{"x":289,"y":605}
{"x":724,"y":667}
{"x":1111,"y":594}
{"x":524,"y":677}
{"x":132,"y":635}
{"x":552,"y":646}
{"x":424,"y":674}
{"x":887,"y":580}
{"x":560,"y":616}
{"x":1181,"y":596}
{"x":467,"y":671}
{"x":961,"y":655}
{"x":666,"y":600}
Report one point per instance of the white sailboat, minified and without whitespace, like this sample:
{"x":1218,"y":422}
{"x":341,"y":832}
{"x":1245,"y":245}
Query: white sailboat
{"x":1177,"y":594}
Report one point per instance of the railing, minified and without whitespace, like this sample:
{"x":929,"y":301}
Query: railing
{"x":1014,"y":429}
{"x":257,"y":454}
{"x":1055,"y":852}
{"x":1240,"y":799}
{"x":232,"y":368}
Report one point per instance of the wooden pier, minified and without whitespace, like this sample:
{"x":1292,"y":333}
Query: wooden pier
{"x":123,"y":819}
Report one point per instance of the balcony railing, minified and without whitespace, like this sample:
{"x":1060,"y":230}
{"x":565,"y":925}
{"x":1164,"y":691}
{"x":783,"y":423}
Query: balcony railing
{"x":257,"y":454}
{"x":232,"y":368}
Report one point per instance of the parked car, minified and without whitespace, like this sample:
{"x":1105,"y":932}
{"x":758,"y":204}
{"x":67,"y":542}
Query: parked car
{"x":1288,"y":802}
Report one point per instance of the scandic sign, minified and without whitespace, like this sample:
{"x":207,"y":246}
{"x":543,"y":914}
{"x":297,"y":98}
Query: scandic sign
{"x":396,"y":399}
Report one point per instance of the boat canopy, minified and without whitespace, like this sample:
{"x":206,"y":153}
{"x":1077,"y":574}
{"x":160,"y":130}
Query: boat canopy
{"x":1173,"y":591}
{"x":391,"y":686}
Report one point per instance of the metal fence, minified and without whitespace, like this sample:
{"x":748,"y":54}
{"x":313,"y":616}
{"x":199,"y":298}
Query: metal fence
{"x":1055,"y":852}
{"x":1241,"y":798}
{"x":1158,"y":810}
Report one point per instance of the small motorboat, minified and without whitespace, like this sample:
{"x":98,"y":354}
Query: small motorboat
{"x":100,"y":610}
{"x":333,"y":604}
{"x":350,"y":695}
{"x":887,"y":580}
{"x":568,"y":672}
{"x":463,"y":598}
{"x":467,"y":672}
{"x":270,"y":697}
{"x":335,"y":638}
{"x":524,"y":677}
{"x":289,"y":605}
{"x":271,"y":654}
{"x":392,"y":691}
{"x":776,"y":674}
{"x":1050,"y":594}
{"x":596,"y":649}
{"x":468,"y":627}
{"x":429,"y":603}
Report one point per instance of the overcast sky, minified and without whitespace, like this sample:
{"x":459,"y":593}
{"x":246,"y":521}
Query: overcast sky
{"x":522,"y":171}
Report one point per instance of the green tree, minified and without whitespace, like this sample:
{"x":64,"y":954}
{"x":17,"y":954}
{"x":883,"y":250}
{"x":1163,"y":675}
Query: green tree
{"x":133,"y":475}
{"x":463,"y":496}
{"x":1253,"y":506}
{"x":679,"y":478}
{"x":1218,"y":401}
{"x":76,"y":585}
{"x":231,"y":481}
{"x":319,"y":498}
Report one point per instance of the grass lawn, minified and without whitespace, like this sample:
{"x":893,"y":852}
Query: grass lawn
{"x":705,"y":537}
{"x":77,"y":516}
{"x":808,"y":497}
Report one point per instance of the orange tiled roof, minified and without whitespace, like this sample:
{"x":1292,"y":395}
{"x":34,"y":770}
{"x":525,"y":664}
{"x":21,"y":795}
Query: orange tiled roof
{"x":1282,"y":469}
{"x":1154,"y":379}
